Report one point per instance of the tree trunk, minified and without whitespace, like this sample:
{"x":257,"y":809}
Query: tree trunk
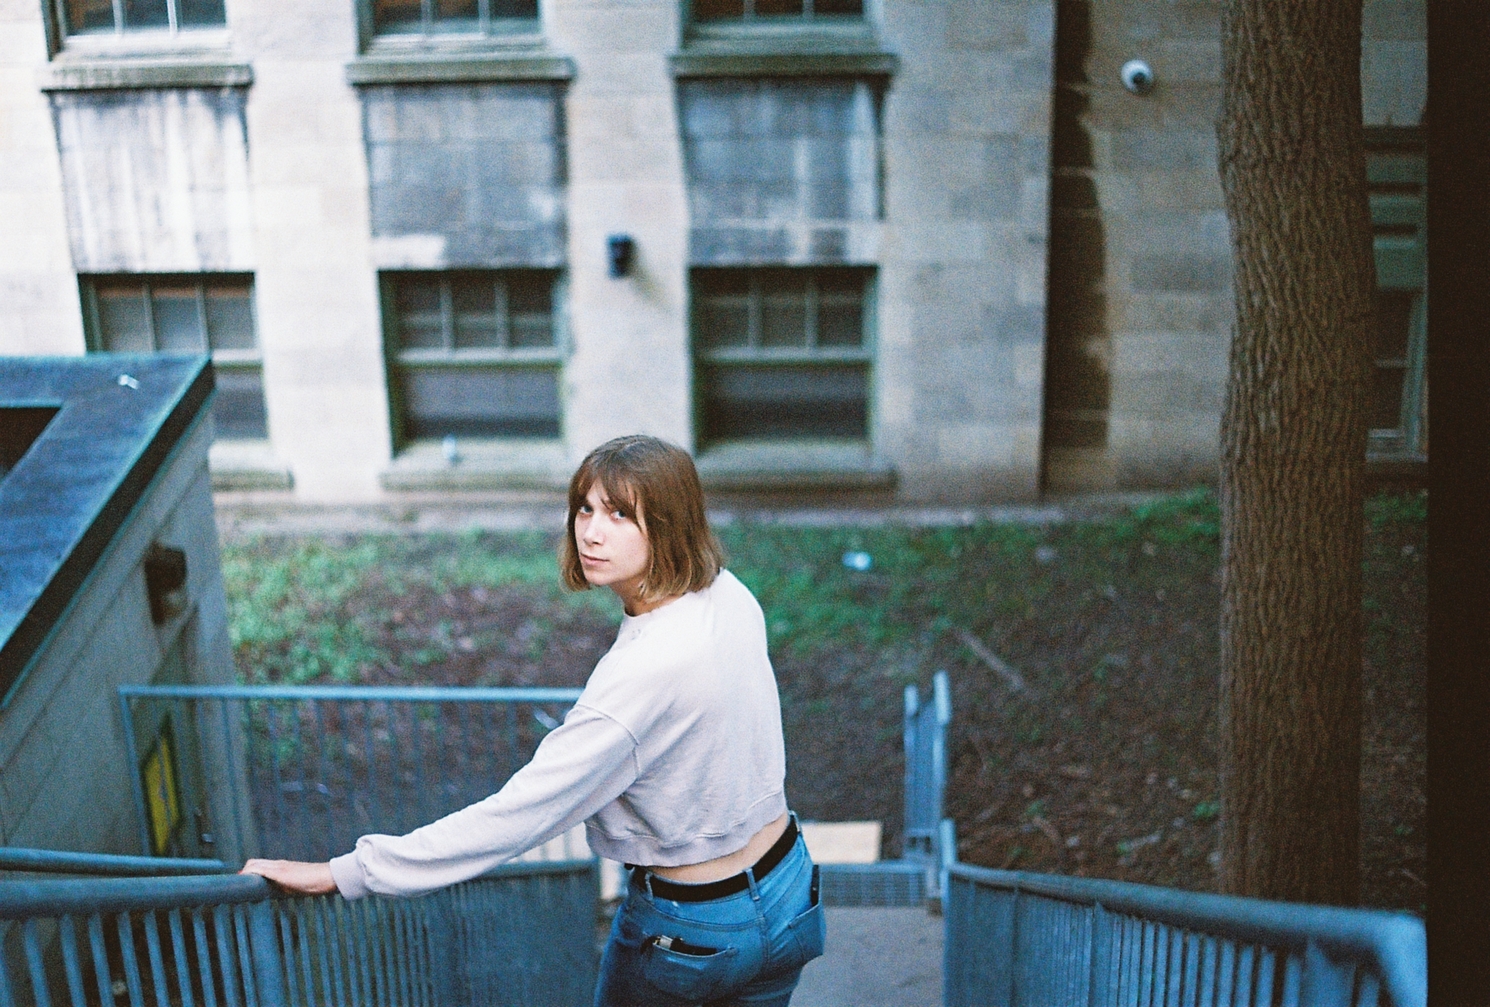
{"x":1293,"y":441}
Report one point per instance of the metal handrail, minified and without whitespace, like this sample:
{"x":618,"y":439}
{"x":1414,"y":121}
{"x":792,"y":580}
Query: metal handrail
{"x":376,"y":693}
{"x":1394,"y":944}
{"x":16,"y":858}
{"x":24,"y":900}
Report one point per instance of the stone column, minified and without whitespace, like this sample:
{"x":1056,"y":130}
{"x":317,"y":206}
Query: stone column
{"x":316,"y":288}
{"x":630,"y":367}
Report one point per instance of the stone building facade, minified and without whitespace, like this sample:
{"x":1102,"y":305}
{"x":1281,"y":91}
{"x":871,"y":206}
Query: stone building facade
{"x":914,"y":250}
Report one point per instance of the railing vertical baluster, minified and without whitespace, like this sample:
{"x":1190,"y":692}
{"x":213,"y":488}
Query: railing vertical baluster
{"x":183,"y":964}
{"x":204,"y":958}
{"x":463,"y":752}
{"x":137,"y":785}
{"x":268,"y":971}
{"x":246,"y":957}
{"x":67,"y":936}
{"x":232,"y":782}
{"x":416,"y":743}
{"x":375,"y":813}
{"x":307,"y":785}
{"x":272,"y":724}
{"x":285,"y":944}
{"x":225,"y":929}
{"x":132,"y":982}
{"x":318,"y":917}
{"x":41,"y":995}
{"x":157,"y":965}
{"x":307,"y":959}
{"x":511,"y":735}
{"x":99,"y":950}
{"x":7,"y":996}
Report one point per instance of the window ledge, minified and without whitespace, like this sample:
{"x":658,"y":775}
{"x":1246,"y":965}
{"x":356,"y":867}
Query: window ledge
{"x":793,"y":465}
{"x":817,"y":50}
{"x":94,"y":73}
{"x":481,"y":465}
{"x":458,"y":61}
{"x":246,"y":465}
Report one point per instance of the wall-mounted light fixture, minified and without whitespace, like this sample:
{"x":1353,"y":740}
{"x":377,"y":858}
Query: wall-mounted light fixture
{"x":620,"y":250}
{"x":1138,"y":76}
{"x":165,"y":581}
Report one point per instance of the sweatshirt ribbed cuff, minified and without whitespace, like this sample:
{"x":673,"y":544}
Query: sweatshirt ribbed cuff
{"x":346,"y":870}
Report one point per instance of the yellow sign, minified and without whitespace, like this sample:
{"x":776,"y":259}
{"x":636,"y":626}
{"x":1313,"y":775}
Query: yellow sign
{"x":162,"y":790}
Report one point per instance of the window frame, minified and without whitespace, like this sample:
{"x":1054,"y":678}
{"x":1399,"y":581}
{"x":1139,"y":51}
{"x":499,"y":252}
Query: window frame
{"x":172,"y":31}
{"x":230,"y":360}
{"x":1408,"y":439}
{"x":749,"y":19}
{"x":489,"y":29}
{"x":450,"y":356}
{"x":811,"y":355}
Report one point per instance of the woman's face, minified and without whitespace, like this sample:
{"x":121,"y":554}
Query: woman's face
{"x":613,"y":549}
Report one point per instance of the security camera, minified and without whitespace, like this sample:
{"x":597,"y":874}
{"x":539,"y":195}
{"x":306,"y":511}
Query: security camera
{"x":1138,"y":76}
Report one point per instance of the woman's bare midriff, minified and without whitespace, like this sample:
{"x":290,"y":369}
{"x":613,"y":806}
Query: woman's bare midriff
{"x":728,"y":865}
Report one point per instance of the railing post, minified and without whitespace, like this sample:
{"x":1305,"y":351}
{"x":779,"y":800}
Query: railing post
{"x":263,"y":945}
{"x":137,"y":786}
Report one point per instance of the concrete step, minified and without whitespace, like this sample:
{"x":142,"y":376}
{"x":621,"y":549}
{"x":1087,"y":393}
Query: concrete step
{"x":876,"y":957}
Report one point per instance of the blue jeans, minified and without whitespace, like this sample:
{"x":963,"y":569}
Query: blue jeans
{"x":746,"y":948}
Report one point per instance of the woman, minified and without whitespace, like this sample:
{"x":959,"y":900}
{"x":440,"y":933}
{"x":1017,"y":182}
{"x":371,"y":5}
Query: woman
{"x":672,"y":757}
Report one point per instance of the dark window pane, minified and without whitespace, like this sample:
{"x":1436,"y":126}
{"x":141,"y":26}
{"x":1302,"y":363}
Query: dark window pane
{"x":416,"y":307}
{"x":477,"y":323}
{"x":715,"y":10}
{"x":530,"y":309}
{"x":481,"y":402}
{"x":456,"y":10}
{"x":230,"y":317}
{"x":178,"y":322}
{"x":840,"y":321}
{"x":123,"y":318}
{"x":778,"y":8}
{"x":1386,"y":398}
{"x":146,"y":14}
{"x":238,"y":407}
{"x":199,"y":13}
{"x":721,"y":322}
{"x":784,"y":309}
{"x":397,"y":15}
{"x":854,"y":7}
{"x":89,"y":15}
{"x":514,"y":8}
{"x":774,"y":402}
{"x":1393,"y":322}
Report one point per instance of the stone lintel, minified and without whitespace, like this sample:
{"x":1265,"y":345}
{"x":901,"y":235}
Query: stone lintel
{"x":718,"y":60}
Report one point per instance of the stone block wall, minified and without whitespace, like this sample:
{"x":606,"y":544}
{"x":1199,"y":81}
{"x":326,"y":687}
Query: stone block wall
{"x":1140,"y":289}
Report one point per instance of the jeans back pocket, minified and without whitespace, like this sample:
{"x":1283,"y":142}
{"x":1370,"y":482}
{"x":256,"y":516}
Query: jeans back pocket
{"x":692,"y":977}
{"x":810,"y":929}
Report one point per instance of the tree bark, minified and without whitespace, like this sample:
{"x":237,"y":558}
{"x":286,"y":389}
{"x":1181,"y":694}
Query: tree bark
{"x":1293,"y":441}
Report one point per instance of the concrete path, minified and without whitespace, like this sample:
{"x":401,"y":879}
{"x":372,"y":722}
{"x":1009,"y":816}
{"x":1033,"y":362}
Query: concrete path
{"x":876,"y":958}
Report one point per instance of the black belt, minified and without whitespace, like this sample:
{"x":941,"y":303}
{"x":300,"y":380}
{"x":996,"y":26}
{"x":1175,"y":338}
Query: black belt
{"x":672,"y":891}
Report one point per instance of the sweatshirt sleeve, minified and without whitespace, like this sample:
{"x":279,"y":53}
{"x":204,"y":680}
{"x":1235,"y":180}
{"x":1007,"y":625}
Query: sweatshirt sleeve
{"x":581,"y":766}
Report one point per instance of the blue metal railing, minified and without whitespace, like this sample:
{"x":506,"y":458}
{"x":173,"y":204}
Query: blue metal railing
{"x":16,"y":858}
{"x":522,"y":934}
{"x":928,"y":839}
{"x":1016,"y":939}
{"x":301,"y":771}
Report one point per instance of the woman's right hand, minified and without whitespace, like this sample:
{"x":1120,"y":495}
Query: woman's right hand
{"x":295,"y":876}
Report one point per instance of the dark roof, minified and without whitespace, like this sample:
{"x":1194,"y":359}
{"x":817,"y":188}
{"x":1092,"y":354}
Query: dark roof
{"x":118,"y":415}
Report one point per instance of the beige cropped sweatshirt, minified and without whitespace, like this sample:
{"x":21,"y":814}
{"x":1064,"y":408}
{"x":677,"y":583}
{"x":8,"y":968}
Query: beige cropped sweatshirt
{"x":672,"y":755}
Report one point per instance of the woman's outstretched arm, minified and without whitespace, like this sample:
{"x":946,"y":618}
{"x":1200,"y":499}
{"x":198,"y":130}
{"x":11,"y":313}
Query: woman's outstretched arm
{"x":295,"y":876}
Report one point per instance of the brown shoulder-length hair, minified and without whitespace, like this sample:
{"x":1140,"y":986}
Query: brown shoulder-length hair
{"x":655,"y":484}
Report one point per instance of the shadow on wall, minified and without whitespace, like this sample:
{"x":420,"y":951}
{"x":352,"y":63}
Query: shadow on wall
{"x":1077,"y":382}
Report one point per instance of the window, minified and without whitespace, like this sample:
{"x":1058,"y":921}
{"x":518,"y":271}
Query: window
{"x":1396,"y":173}
{"x":782,"y":352}
{"x":473,"y":353}
{"x":761,"y":10}
{"x":187,"y":313}
{"x":448,"y":17}
{"x":90,"y":16}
